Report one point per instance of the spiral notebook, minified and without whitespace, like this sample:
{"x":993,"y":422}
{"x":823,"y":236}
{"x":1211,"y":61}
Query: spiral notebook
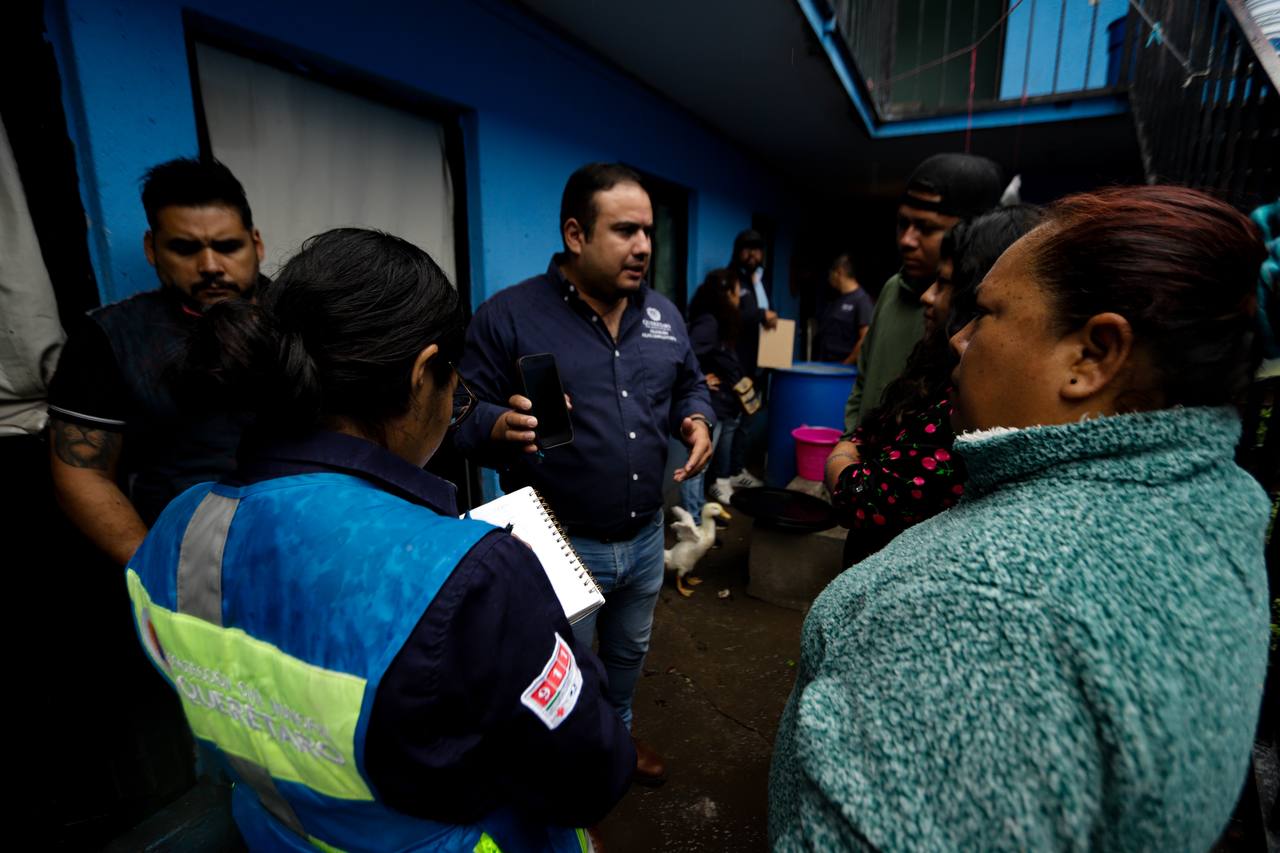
{"x":533,"y":522}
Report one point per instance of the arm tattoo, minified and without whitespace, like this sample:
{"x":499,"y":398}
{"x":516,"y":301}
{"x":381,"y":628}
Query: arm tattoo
{"x":82,"y":447}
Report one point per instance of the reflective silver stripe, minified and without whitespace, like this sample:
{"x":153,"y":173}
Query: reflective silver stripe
{"x":70,"y":414}
{"x":200,"y":595}
{"x":200,"y":558}
{"x":257,"y":778}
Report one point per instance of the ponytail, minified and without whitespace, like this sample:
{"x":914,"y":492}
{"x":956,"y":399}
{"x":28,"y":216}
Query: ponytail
{"x":237,"y":360}
{"x":335,"y":335}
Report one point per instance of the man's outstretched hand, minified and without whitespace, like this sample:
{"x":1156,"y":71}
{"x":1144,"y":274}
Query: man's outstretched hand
{"x":697,"y":435}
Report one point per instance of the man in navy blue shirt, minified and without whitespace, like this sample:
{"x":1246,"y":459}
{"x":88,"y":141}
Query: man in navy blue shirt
{"x":845,"y":319}
{"x":624,"y":357}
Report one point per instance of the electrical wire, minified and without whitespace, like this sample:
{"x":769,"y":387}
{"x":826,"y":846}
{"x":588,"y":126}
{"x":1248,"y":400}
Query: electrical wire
{"x":1157,"y":30}
{"x":953,"y":54}
{"x":1136,"y":5}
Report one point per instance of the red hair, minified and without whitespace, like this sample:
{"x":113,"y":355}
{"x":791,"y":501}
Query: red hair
{"x":1180,"y":265}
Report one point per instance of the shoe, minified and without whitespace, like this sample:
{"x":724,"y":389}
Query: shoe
{"x":722,"y":491}
{"x":650,"y":769}
{"x":744,"y":479}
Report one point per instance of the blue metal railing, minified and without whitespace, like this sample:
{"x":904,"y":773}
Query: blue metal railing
{"x":921,"y":58}
{"x":1206,"y":104}
{"x":1201,"y":77}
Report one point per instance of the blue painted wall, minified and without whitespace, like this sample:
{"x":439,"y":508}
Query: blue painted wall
{"x":1084,"y":46}
{"x":538,"y":108}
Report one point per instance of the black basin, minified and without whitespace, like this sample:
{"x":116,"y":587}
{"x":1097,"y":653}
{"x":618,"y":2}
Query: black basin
{"x":783,"y":509}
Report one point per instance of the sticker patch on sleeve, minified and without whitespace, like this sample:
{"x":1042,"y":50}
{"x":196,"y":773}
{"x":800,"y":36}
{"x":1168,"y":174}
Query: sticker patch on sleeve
{"x":554,"y":693}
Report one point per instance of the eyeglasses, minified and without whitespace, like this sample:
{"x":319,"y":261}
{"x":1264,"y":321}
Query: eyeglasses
{"x":464,"y":400}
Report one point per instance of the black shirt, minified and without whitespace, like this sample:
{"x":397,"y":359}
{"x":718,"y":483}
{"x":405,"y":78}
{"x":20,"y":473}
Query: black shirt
{"x":448,"y":736}
{"x":715,"y":356}
{"x":118,"y":372}
{"x":842,"y":320}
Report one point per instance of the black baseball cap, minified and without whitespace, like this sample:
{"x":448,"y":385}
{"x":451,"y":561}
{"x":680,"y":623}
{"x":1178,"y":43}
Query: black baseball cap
{"x":968,"y":185}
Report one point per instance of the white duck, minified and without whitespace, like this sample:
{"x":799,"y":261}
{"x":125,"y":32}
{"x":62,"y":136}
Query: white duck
{"x":692,"y":542}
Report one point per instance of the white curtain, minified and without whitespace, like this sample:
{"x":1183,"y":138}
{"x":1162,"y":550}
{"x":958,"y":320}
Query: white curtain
{"x":312,"y":157}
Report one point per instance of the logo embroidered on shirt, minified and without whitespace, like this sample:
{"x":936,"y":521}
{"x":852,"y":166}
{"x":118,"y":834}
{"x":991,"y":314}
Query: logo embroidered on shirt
{"x":656,"y":330}
{"x":553,"y":694}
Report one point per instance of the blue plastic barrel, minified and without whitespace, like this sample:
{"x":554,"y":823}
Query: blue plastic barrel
{"x":811,"y":393}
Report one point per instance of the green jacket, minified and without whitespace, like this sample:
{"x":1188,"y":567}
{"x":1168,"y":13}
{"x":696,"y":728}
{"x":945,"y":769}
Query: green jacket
{"x":1071,"y":658}
{"x":897,"y":324}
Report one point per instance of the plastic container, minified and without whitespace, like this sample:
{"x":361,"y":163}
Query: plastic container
{"x":813,"y":445}
{"x":809,"y":394}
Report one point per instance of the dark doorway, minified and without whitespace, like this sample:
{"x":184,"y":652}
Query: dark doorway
{"x":767,"y":228}
{"x":104,"y":739}
{"x":668,"y":269}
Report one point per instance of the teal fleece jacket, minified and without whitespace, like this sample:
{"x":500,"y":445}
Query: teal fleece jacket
{"x":1072,"y":658}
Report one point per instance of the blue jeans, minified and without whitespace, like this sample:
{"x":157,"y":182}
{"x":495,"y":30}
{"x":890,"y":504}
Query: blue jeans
{"x":630,"y":574}
{"x":693,"y":492}
{"x":738,"y":447}
{"x":722,"y":455}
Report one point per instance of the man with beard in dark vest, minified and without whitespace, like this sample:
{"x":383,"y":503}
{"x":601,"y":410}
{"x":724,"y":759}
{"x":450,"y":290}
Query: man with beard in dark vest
{"x":123,"y":443}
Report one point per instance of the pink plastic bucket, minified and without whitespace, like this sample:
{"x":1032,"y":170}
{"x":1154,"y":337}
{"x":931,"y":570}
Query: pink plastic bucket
{"x":812,"y":446}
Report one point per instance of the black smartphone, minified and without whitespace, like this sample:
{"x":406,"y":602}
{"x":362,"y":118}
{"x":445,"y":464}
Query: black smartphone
{"x":541,"y":380}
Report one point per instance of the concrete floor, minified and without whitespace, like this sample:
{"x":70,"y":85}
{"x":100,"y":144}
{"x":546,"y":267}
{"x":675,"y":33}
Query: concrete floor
{"x":718,"y":674}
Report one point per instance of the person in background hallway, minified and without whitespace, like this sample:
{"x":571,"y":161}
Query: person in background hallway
{"x":898,"y":468}
{"x":944,"y":189}
{"x":714,"y":322}
{"x":846,"y":318}
{"x":376,"y":673}
{"x":624,"y":358}
{"x":122,"y":446}
{"x":748,"y":262}
{"x":1073,"y":656}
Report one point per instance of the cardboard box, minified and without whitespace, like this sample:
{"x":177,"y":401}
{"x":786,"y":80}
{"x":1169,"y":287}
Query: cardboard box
{"x":777,"y":344}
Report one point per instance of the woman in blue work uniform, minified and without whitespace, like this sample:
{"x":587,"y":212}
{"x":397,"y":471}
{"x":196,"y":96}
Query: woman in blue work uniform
{"x":378,"y":674}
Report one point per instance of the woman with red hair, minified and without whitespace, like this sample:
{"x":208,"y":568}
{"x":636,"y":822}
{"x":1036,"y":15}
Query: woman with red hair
{"x":1073,"y":656}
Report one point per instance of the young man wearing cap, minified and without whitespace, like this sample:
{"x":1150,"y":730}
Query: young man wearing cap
{"x":942,"y":190}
